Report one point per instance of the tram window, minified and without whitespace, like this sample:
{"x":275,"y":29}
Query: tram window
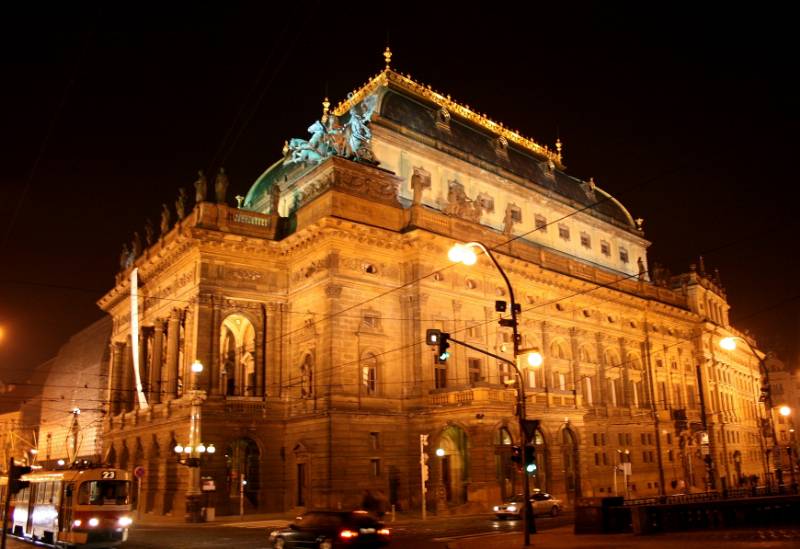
{"x":104,"y":492}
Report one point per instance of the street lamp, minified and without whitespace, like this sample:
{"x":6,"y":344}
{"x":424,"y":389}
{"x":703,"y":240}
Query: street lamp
{"x":729,"y":344}
{"x":465,"y":253}
{"x":191,"y":453}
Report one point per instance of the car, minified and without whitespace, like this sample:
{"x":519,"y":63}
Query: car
{"x":332,"y":529}
{"x":543,"y":504}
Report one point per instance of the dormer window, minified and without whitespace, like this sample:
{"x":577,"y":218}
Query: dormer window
{"x":586,"y":240}
{"x":605,"y":248}
{"x":563,"y":232}
{"x":486,"y":202}
{"x":623,"y":255}
{"x":540,"y":223}
{"x":443,"y":119}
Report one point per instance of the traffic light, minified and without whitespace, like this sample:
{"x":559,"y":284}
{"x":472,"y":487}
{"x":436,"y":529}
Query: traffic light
{"x":441,"y":340}
{"x":516,"y":455}
{"x":14,"y":473}
{"x":530,"y":459}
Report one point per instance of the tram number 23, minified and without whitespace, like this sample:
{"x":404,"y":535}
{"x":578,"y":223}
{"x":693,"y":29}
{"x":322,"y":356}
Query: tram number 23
{"x":108,"y":475}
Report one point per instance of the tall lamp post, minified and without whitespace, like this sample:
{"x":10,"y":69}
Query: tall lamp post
{"x":191,"y":453}
{"x":786,"y":411}
{"x":729,"y":344}
{"x":464,"y":253}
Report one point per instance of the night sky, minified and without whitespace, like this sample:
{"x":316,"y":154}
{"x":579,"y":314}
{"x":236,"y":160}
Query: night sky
{"x":689,"y":118}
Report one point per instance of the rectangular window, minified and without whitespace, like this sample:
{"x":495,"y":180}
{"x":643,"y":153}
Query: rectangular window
{"x":690,"y":396}
{"x":621,"y":439}
{"x":662,"y":394}
{"x":650,"y":439}
{"x":440,"y":375}
{"x":628,"y":439}
{"x":474,"y":330}
{"x":540,"y":222}
{"x":562,"y":381}
{"x":374,"y":441}
{"x":475,"y":367}
{"x":603,"y":439}
{"x":587,"y":390}
{"x":605,"y":459}
{"x":516,"y":214}
{"x":596,"y":458}
{"x":563,"y":232}
{"x":586,"y":240}
{"x":644,"y":438}
{"x":605,"y":248}
{"x":375,"y":465}
{"x":623,"y":255}
{"x":669,"y":438}
{"x":594,"y":438}
{"x":678,"y":398}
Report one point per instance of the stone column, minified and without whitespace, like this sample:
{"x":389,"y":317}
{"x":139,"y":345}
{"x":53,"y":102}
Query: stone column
{"x":115,"y":392}
{"x":602,"y":380}
{"x":577,"y":382}
{"x":154,"y":380}
{"x":625,"y":375}
{"x":173,"y":340}
{"x":127,"y":389}
{"x":547,"y":367}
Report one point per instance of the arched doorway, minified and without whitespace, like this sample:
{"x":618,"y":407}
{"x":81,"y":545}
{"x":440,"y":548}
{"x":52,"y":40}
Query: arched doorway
{"x":569,"y":459}
{"x":453,"y":464}
{"x":242,"y":465}
{"x":237,"y":360}
{"x":506,"y":471}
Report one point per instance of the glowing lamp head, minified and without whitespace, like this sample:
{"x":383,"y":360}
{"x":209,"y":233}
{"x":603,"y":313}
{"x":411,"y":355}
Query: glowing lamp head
{"x":187,"y":449}
{"x":440,"y":452}
{"x":211,"y":449}
{"x":201,"y":448}
{"x":728,"y":343}
{"x":94,"y":521}
{"x":61,"y":462}
{"x":460,"y":253}
{"x":197,"y":367}
{"x":178,"y":449}
{"x":785,"y":411}
{"x":535,"y":359}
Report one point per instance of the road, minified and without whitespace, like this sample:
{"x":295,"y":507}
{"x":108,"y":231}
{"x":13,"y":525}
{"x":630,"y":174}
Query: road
{"x":433,"y":533}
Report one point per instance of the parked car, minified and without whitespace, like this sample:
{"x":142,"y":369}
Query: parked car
{"x":332,"y":529}
{"x":543,"y":504}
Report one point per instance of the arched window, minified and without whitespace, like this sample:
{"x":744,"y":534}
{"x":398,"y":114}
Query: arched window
{"x":237,"y":356}
{"x":369,"y":374}
{"x":634,"y":362}
{"x":584,"y":355}
{"x":557,"y":350}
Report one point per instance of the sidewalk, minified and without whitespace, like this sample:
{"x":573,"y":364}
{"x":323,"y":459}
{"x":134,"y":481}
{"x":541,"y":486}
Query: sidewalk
{"x":564,"y":537}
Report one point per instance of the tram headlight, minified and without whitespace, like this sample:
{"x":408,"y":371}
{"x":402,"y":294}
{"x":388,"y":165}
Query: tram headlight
{"x":76,"y":523}
{"x":94,"y":521}
{"x":125,"y":521}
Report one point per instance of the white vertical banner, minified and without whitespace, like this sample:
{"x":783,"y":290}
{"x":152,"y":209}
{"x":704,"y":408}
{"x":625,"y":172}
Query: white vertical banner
{"x":135,"y":336}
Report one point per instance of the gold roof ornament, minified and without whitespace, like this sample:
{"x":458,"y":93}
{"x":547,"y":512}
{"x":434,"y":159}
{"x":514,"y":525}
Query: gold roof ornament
{"x":326,"y":105}
{"x":558,"y":148}
{"x":387,"y":55}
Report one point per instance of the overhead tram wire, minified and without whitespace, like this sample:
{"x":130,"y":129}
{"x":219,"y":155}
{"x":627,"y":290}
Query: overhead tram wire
{"x":232,"y":147}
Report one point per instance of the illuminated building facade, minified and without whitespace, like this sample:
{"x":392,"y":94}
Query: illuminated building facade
{"x":308,"y":305}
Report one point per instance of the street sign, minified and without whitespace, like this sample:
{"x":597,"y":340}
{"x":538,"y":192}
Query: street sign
{"x":138,"y":472}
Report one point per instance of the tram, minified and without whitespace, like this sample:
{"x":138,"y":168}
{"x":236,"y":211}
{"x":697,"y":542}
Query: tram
{"x":81,"y":507}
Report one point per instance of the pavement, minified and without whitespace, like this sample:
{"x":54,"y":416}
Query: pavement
{"x":565,"y":537}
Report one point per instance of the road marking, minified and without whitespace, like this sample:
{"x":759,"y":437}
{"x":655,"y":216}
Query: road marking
{"x":466,"y":536}
{"x":258,"y":524}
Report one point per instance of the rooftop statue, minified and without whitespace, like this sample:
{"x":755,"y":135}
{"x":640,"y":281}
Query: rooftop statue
{"x":200,"y":187}
{"x":329,"y":138}
{"x":148,"y":232}
{"x":221,"y":186}
{"x":180,"y":204}
{"x":357,"y":132}
{"x":165,"y":215}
